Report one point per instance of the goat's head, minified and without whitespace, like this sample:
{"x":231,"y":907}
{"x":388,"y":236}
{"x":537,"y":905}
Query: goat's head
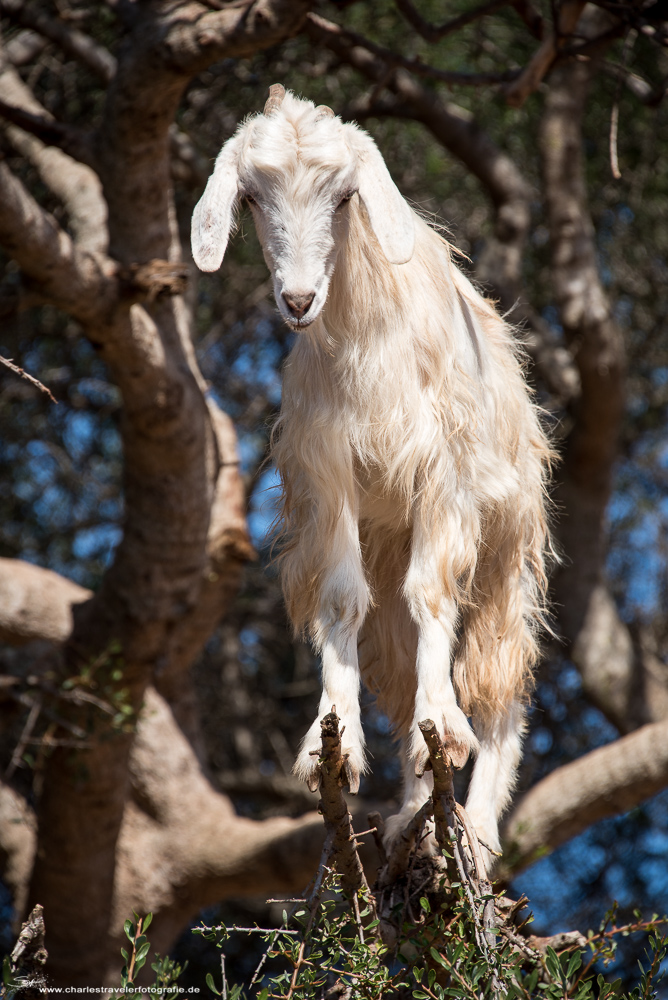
{"x":298,"y":166}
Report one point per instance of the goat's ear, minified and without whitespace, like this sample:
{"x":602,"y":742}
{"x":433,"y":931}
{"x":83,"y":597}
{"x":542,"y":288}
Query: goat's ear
{"x":212,"y":218}
{"x":389,"y":214}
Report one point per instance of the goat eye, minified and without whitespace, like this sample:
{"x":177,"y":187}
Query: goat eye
{"x":344,"y":198}
{"x":250,"y":200}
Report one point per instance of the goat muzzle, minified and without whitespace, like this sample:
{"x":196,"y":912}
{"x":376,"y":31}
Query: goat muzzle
{"x":299,"y":303}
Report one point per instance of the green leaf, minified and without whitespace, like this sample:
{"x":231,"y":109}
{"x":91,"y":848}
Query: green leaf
{"x":7,"y":974}
{"x":125,"y":955}
{"x":129,"y":929}
{"x":147,"y":921}
{"x":418,"y":972}
{"x":531,"y":981}
{"x":438,"y":958}
{"x":552,"y":963}
{"x":143,"y":951}
{"x":574,"y":963}
{"x":424,"y":903}
{"x":210,"y":983}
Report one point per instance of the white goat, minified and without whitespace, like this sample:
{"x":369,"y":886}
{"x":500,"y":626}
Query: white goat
{"x":411,"y":456}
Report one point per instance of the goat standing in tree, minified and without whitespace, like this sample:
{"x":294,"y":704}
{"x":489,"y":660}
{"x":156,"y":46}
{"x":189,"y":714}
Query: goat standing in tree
{"x":411,"y":456}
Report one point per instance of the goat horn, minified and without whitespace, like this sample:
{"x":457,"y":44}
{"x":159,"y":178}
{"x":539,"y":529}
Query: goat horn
{"x":275,"y":99}
{"x":322,"y":111}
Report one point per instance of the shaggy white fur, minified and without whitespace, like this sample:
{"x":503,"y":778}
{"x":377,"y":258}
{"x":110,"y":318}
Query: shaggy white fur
{"x":411,"y":455}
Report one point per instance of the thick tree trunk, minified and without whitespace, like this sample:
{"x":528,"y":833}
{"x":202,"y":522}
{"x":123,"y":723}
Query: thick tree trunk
{"x":616,"y":676}
{"x":185,"y":538}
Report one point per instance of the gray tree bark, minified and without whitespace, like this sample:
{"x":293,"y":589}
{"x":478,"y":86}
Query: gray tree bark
{"x":185,"y":537}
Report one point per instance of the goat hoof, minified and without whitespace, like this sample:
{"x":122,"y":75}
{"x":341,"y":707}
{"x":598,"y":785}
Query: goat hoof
{"x":456,"y":751}
{"x":313,"y":780}
{"x":422,"y":762}
{"x":352,"y":777}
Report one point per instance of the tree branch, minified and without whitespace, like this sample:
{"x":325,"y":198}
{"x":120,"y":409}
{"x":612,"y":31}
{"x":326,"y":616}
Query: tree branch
{"x":75,"y":280}
{"x":454,"y":127}
{"x":641,"y":89}
{"x":70,"y":39}
{"x":394,"y":61}
{"x":23,"y":48}
{"x":36,"y":603}
{"x":18,"y":841}
{"x":76,"y":185}
{"x":51,"y":132}
{"x":606,"y":782}
{"x":242,"y":28}
{"x":8,"y":363}
{"x":528,"y":81}
{"x":204,"y":852}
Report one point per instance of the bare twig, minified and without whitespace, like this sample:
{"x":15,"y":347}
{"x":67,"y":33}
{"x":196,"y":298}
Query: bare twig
{"x":24,"y":739}
{"x":29,"y":702}
{"x":287,"y":899}
{"x":222,"y":971}
{"x":295,"y":974}
{"x":614,"y":114}
{"x":433,"y":32}
{"x":614,"y":125}
{"x":248,"y":930}
{"x":24,"y":374}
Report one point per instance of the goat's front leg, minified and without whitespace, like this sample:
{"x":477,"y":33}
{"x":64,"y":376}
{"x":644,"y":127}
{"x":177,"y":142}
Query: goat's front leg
{"x":344,"y":599}
{"x":435,"y":614}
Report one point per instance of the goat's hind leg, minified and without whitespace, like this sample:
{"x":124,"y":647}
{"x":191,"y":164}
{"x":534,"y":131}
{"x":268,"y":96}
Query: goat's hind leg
{"x":417,"y":791}
{"x":494,"y":772}
{"x":435,"y":615}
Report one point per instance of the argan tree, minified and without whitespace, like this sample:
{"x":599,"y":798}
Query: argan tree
{"x":110,"y":115}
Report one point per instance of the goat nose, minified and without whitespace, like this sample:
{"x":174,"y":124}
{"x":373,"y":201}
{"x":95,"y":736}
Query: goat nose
{"x":298,"y":303}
